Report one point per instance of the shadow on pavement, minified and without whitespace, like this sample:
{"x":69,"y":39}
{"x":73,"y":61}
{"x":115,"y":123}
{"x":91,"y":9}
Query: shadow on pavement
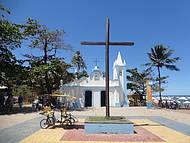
{"x":76,"y":126}
{"x":16,"y":110}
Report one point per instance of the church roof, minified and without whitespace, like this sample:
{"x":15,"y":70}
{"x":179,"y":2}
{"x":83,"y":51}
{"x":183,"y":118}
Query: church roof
{"x":96,"y":68}
{"x":96,"y":73}
{"x":119,"y":60}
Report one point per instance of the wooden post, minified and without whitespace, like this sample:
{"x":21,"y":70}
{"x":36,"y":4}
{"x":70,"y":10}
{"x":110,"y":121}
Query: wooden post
{"x":107,"y":67}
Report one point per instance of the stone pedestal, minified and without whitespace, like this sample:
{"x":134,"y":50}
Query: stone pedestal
{"x":112,"y":126}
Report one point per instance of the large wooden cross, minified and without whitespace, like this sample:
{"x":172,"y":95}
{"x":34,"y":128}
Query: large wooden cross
{"x":107,"y":43}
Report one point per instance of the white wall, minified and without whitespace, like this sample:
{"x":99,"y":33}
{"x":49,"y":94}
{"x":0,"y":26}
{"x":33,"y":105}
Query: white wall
{"x":79,"y":92}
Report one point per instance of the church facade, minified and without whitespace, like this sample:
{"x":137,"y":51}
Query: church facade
{"x":90,"y":91}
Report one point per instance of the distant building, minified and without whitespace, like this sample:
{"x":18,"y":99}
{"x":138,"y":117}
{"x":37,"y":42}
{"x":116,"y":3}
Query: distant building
{"x":91,"y":90}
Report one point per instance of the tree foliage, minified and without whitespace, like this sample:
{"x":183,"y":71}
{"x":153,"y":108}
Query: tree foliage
{"x":137,"y":81}
{"x":23,"y":90}
{"x":10,"y":33}
{"x":12,"y":72}
{"x":78,"y":62}
{"x":56,"y":70}
{"x":46,"y":70}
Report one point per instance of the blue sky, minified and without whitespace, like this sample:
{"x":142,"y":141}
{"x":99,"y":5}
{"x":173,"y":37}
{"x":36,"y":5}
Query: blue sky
{"x":146,"y":22}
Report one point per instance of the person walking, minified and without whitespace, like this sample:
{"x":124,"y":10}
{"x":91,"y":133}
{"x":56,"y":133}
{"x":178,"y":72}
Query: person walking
{"x":20,"y":100}
{"x":9,"y":103}
{"x":2,"y":100}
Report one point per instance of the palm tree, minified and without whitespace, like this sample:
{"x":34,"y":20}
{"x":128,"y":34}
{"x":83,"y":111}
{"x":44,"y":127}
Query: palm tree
{"x":78,"y":62}
{"x":160,"y":57}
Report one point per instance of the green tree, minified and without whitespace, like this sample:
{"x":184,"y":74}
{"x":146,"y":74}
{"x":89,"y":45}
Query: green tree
{"x":23,"y":90}
{"x":57,"y":70}
{"x":80,"y":65}
{"x":160,"y":57}
{"x":155,"y":83}
{"x":46,"y":69}
{"x":10,"y":38}
{"x":137,"y":81}
{"x":10,"y":33}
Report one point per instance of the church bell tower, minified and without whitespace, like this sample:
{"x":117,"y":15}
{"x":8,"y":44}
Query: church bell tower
{"x":119,"y":73}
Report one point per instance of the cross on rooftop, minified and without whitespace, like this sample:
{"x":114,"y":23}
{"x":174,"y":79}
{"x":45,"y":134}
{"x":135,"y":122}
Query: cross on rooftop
{"x":96,"y":62}
{"x":107,"y":43}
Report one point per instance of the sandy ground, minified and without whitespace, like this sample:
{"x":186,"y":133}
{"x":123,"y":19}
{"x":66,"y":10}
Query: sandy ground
{"x":182,"y":116}
{"x":182,"y":111}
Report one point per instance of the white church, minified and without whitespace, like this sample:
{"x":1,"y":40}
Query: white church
{"x":90,"y":91}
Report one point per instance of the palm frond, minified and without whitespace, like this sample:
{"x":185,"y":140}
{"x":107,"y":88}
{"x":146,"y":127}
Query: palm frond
{"x":160,"y":56}
{"x":168,"y":53}
{"x":172,"y":60}
{"x":171,"y":67}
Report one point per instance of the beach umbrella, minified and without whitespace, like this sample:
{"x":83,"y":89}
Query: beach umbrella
{"x":178,"y":101}
{"x":169,"y":98}
{"x":155,"y":100}
{"x":163,"y":101}
{"x":63,"y":95}
{"x":55,"y":95}
{"x":186,"y":102}
{"x":182,"y":98}
{"x":3,"y":87}
{"x":169,"y":101}
{"x":158,"y":98}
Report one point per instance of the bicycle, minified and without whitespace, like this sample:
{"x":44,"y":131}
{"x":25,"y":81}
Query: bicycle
{"x":66,"y":121}
{"x":49,"y":121}
{"x":69,"y":116}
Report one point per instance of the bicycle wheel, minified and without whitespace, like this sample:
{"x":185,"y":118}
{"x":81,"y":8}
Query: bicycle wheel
{"x":74,"y":118}
{"x":44,"y":123}
{"x":66,"y":123}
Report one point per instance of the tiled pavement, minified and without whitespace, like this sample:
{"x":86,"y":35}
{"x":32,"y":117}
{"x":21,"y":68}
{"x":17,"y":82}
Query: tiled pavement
{"x":17,"y":132}
{"x":170,"y":131}
{"x":183,"y":128}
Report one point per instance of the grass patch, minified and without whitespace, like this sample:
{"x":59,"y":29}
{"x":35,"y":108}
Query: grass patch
{"x":110,"y":120}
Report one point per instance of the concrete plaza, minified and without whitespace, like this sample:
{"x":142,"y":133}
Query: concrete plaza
{"x":152,"y":125}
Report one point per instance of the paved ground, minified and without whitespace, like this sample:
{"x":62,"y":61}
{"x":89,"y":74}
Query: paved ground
{"x":7,"y":121}
{"x":141,"y":134}
{"x":182,"y":117}
{"x":174,"y":126}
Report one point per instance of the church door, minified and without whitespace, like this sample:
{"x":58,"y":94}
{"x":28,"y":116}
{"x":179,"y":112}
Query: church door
{"x":103,"y":98}
{"x":88,"y":98}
